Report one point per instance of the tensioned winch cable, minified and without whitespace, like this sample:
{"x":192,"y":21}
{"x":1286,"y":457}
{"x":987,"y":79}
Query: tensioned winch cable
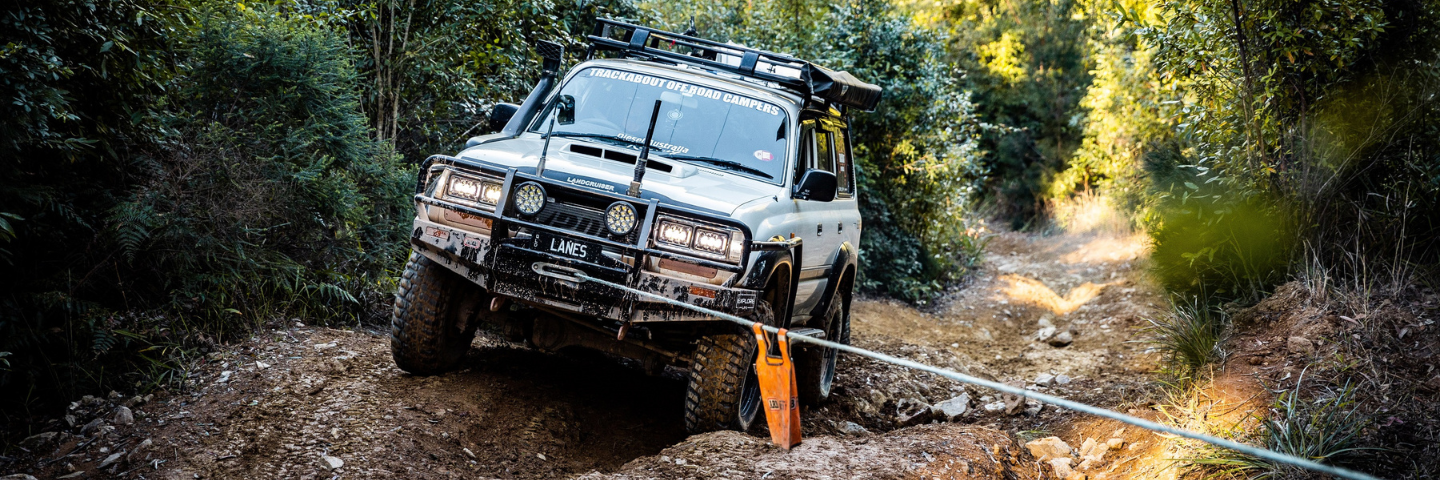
{"x":580,"y":277}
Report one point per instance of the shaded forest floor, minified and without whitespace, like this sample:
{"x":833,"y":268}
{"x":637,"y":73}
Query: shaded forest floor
{"x":1058,"y":314}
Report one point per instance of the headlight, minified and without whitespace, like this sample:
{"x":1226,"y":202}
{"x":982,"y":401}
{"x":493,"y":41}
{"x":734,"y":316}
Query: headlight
{"x":473,"y":190}
{"x":675,"y":234}
{"x":620,"y":218}
{"x":490,"y":193}
{"x":700,"y":239}
{"x":710,"y":241}
{"x":529,"y":198}
{"x":464,"y":188}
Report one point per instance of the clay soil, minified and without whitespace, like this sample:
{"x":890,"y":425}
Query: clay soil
{"x":299,"y":401}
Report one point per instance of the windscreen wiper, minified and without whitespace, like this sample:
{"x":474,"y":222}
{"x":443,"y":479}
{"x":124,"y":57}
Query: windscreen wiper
{"x":727,"y":164}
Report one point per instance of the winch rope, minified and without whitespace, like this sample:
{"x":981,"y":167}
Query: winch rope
{"x":1021,"y":392}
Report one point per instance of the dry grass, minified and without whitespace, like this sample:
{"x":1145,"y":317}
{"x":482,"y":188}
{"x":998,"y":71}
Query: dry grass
{"x":1090,"y":212}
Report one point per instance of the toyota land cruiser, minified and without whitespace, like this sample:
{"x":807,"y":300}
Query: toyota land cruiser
{"x":707,"y":173}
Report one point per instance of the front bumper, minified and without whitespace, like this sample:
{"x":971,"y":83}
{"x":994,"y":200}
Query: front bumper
{"x":511,"y":260}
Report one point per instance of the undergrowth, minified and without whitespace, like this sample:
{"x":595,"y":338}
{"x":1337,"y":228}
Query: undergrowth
{"x":1190,"y":337}
{"x":1321,"y":426}
{"x":258,"y":195}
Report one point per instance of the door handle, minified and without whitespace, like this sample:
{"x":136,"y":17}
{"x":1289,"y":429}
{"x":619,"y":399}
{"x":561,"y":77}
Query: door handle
{"x":819,"y":229}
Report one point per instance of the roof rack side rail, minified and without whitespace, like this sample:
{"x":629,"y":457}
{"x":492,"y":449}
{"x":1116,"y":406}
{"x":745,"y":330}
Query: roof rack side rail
{"x":801,"y":76}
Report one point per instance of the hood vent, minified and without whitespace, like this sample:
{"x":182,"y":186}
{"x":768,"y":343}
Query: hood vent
{"x":622,"y":157}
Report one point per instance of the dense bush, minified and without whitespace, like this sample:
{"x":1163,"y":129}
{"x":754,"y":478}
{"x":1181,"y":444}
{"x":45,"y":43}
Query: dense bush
{"x":1313,"y":122}
{"x":431,"y":69}
{"x":1027,"y":64}
{"x":269,"y":172}
{"x":74,"y":78}
{"x":249,"y":187}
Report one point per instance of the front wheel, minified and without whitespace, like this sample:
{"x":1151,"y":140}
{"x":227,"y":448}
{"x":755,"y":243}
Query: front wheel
{"x":724,"y":393}
{"x":436,"y":313}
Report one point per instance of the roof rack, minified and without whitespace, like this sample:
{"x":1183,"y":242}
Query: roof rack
{"x":789,"y":72}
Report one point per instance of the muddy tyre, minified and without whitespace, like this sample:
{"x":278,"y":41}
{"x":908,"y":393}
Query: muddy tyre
{"x":434,"y":319}
{"x":815,"y":365}
{"x":724,"y":393}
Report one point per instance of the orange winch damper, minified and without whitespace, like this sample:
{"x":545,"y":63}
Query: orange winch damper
{"x":777,"y":389}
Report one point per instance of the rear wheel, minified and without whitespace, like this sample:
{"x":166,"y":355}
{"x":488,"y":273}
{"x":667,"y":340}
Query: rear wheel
{"x":435,"y":316}
{"x":814,"y":364}
{"x":724,"y":393}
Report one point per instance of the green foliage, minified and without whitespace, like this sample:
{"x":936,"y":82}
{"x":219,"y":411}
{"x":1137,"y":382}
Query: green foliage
{"x":1026,"y":64}
{"x":1310,"y":116}
{"x":1215,"y":242}
{"x":1131,"y":110}
{"x":917,"y":155}
{"x":431,"y":69}
{"x":290,"y":202}
{"x":1190,"y":337}
{"x":235,"y":180}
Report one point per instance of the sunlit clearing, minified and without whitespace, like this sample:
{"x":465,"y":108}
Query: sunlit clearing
{"x":1089,"y":212}
{"x":1110,"y":249}
{"x":1028,"y":290}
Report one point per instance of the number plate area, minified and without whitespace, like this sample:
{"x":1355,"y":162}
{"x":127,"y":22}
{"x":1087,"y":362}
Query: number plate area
{"x":566,"y":247}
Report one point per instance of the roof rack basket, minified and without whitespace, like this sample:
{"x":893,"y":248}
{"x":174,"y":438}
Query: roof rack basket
{"x":789,"y":72}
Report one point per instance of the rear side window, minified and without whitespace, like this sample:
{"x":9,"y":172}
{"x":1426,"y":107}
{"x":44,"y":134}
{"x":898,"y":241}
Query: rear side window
{"x":844,"y":176}
{"x":824,"y":152}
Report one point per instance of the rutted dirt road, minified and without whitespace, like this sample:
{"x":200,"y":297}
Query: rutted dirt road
{"x":298,"y":401}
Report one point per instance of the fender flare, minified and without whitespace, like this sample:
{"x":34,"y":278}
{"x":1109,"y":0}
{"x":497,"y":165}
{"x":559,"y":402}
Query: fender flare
{"x":846,"y":259}
{"x":774,"y":256}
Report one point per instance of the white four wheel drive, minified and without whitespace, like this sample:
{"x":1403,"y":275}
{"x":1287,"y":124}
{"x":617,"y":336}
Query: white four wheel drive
{"x":706,"y":173}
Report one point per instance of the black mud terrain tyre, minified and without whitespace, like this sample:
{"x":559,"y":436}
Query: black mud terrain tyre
{"x":436,"y":313}
{"x":724,"y":393}
{"x":815,"y":365}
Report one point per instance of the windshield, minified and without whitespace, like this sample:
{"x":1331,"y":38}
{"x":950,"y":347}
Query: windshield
{"x":708,"y":127}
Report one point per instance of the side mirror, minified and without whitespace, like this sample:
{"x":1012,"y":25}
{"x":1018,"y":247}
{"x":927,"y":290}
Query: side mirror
{"x":565,"y":110}
{"x":816,"y":185}
{"x":500,"y":115}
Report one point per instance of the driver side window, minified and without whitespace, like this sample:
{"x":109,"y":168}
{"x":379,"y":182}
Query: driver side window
{"x":806,"y":159}
{"x":817,"y":150}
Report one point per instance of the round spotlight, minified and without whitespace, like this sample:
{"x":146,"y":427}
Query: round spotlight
{"x":529,"y":198}
{"x":620,"y":218}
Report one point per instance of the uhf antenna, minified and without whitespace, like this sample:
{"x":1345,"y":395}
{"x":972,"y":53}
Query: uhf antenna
{"x":644,"y":153}
{"x":540,"y":167}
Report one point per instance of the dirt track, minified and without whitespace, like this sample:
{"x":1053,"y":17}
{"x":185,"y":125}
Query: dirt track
{"x":296,"y":394}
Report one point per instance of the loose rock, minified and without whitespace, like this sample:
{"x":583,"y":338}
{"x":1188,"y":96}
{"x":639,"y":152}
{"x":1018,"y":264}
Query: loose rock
{"x":951,"y":409}
{"x":909,"y":411}
{"x":1063,"y":339}
{"x":1062,"y":379}
{"x":1049,"y":447}
{"x":123,"y":416}
{"x":331,"y":463}
{"x":110,"y":460}
{"x":92,"y":426}
{"x":1044,"y":379}
{"x":852,"y":428}
{"x":1062,"y":467}
{"x":18,"y":476}
{"x":40,"y":440}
